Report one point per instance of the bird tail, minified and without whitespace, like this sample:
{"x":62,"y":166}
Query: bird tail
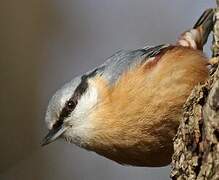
{"x":198,"y":35}
{"x":205,"y":25}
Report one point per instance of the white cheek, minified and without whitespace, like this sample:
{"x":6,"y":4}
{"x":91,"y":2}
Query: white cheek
{"x":85,"y":104}
{"x":79,"y":119}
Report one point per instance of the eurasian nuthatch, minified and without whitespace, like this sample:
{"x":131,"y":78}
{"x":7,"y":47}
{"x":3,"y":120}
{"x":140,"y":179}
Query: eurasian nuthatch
{"x":128,"y":109}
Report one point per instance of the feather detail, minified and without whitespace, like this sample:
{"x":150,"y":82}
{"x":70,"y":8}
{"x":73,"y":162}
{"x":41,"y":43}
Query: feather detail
{"x":137,"y":118}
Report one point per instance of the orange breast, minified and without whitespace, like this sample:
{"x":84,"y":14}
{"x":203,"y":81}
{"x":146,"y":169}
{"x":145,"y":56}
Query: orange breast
{"x":137,"y":118}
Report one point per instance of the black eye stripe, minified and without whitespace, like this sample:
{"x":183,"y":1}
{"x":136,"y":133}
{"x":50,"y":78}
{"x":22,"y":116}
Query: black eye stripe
{"x":72,"y":102}
{"x":66,"y":111}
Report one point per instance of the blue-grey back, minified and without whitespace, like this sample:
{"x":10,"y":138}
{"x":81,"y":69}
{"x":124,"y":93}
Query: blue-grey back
{"x":123,"y":60}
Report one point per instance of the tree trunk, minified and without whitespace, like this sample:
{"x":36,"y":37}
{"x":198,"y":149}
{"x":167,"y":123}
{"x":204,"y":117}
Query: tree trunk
{"x":196,"y":145}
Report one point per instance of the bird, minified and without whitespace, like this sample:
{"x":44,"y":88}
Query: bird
{"x":129,"y":108}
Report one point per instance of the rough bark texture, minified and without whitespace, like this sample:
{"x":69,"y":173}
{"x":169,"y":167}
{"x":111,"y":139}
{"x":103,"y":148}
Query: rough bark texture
{"x":196,"y":145}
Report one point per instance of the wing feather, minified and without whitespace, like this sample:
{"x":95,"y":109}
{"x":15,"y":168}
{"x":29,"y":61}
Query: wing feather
{"x":122,"y":60}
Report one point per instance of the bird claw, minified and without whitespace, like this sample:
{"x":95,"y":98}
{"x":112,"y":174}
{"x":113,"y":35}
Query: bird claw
{"x":213,"y":61}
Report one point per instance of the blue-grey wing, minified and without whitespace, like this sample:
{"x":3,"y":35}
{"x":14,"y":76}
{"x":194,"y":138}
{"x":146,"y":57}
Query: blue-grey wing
{"x":121,"y":61}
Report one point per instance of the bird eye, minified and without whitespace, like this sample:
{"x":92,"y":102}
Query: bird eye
{"x":71,"y":104}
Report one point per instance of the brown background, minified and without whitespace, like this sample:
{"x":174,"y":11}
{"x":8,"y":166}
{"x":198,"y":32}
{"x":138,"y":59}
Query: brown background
{"x":46,"y":43}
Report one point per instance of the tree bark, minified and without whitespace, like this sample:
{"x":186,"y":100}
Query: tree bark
{"x":196,"y":145}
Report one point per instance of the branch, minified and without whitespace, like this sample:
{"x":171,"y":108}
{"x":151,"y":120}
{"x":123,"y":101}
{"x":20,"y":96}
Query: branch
{"x":196,"y":145}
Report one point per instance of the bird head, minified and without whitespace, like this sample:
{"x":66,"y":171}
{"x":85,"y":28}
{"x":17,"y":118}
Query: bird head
{"x":68,"y":111}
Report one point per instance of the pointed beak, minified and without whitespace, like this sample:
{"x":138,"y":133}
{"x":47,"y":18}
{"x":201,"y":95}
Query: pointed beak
{"x":53,"y":135}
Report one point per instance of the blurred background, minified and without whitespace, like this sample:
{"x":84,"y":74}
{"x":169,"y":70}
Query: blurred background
{"x":45,"y":44}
